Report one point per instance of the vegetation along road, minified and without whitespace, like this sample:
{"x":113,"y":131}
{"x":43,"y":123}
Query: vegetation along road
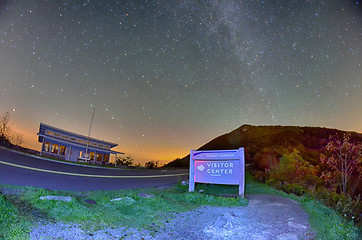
{"x":26,"y":170}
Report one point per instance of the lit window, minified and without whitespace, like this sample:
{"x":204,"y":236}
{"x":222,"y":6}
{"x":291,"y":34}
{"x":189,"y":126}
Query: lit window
{"x":50,"y":133}
{"x":65,"y":137}
{"x":55,"y":148}
{"x":106,"y":157}
{"x":62,"y":150}
{"x":99,"y":156}
{"x":73,"y":139}
{"x":91,"y":155}
{"x":46,"y":147}
{"x":56,"y":134}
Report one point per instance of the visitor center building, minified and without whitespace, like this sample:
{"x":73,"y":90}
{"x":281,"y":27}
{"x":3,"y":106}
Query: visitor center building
{"x":65,"y":145}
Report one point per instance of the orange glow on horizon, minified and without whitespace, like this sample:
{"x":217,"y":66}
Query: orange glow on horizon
{"x":141,"y":153}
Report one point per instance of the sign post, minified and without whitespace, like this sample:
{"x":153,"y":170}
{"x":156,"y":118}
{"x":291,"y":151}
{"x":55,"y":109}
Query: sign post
{"x":218,"y":167}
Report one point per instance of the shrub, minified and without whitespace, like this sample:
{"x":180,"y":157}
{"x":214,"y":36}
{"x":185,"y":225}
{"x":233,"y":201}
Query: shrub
{"x":267,"y":158}
{"x":275,"y":183}
{"x":294,"y":169}
{"x":349,"y":207}
{"x":298,"y":189}
{"x":260,"y":176}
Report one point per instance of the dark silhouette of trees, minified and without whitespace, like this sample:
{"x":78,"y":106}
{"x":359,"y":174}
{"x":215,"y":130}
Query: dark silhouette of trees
{"x":4,"y":121}
{"x":125,"y":161}
{"x":7,"y":136}
{"x":152,"y":164}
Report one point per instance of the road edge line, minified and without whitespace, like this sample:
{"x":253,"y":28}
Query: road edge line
{"x":88,"y":175}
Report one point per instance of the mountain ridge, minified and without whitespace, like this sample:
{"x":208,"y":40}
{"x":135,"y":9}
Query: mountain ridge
{"x":264,"y":145}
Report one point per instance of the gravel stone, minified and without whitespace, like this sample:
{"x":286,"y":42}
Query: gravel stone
{"x":124,"y":200}
{"x":287,"y":236}
{"x":146,"y":195}
{"x":57,"y":198}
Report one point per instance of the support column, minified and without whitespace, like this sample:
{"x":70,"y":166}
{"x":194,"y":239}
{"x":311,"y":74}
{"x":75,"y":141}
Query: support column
{"x":242,"y":173}
{"x":70,"y":153}
{"x":42,"y":147}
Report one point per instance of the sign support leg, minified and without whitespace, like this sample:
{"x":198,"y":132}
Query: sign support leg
{"x":191,"y":174}
{"x":242,"y":173}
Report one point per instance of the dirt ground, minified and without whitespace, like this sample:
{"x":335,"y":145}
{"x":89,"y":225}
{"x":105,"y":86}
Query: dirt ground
{"x":266,"y":217}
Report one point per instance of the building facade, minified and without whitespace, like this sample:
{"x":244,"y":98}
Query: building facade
{"x":73,"y":147}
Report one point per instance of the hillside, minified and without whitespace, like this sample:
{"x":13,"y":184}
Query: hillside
{"x":264,"y":145}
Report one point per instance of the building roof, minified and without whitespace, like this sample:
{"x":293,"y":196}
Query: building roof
{"x":44,"y":127}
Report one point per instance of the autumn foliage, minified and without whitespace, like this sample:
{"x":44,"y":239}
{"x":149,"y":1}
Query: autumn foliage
{"x":342,"y":160}
{"x":289,"y":159}
{"x":293,"y":169}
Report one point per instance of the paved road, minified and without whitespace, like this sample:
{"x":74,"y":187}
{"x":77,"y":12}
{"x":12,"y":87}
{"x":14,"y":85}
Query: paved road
{"x":25,"y":170}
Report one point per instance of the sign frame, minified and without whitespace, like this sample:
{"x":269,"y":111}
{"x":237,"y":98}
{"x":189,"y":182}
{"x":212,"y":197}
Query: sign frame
{"x":218,"y":156}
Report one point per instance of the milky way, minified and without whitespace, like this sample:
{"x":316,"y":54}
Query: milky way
{"x":167,"y":76}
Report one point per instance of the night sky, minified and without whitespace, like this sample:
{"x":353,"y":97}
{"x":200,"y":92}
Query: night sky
{"x":165,"y":77}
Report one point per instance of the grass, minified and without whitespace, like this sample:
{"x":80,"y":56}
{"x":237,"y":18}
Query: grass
{"x":136,"y":209}
{"x":326,"y":222}
{"x":22,"y":205}
{"x":12,"y":226}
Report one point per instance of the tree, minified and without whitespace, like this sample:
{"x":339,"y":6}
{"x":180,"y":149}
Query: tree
{"x":16,"y":138}
{"x":4,"y":120}
{"x":343,"y":159}
{"x":151,"y":164}
{"x":125,"y":161}
{"x":7,"y":136}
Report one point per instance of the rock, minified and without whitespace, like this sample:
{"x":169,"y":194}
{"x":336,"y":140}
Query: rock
{"x":271,"y":205}
{"x":90,"y":201}
{"x":125,"y":200}
{"x":145,"y":195}
{"x":57,"y":198}
{"x":292,"y":223}
{"x":9,"y":191}
{"x":254,"y":202}
{"x":309,"y":235}
{"x":258,"y":237}
{"x":165,"y":187}
{"x":184,"y":183}
{"x":287,"y":236}
{"x":224,"y":226}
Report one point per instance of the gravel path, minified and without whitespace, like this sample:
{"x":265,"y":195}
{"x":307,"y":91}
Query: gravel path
{"x":266,"y":217}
